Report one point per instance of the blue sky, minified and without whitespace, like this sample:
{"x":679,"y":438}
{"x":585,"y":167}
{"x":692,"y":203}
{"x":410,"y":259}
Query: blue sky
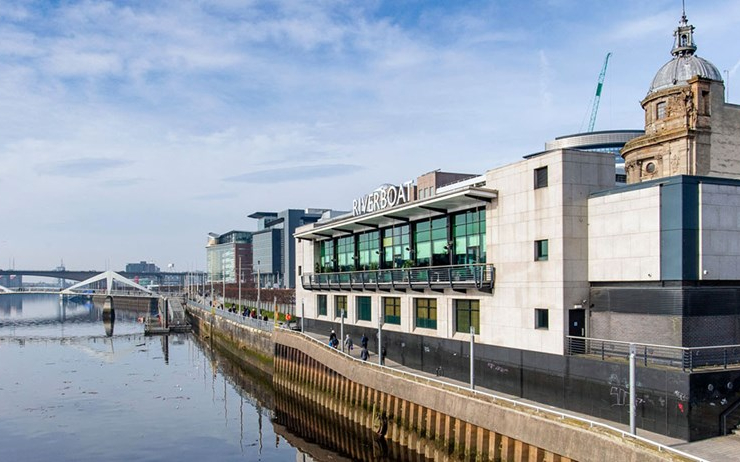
{"x":129,"y":130}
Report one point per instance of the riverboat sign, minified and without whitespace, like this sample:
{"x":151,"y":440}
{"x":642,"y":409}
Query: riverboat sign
{"x":383,"y":198}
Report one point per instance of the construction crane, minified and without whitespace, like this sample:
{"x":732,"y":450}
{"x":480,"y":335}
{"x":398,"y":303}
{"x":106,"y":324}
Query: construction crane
{"x":597,"y":97}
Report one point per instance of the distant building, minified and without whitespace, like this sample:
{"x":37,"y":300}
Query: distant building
{"x":229,"y":257}
{"x":273,"y":259}
{"x":142,"y":267}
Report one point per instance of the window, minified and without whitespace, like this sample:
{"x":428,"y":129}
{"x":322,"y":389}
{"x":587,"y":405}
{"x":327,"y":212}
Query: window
{"x":469,"y":237}
{"x":321,"y":303}
{"x":540,"y":177}
{"x":326,"y":259}
{"x":364,"y":308}
{"x":369,"y":250}
{"x":392,"y":310}
{"x":340,"y":303}
{"x":467,"y":314}
{"x":541,"y":318}
{"x":346,"y":253}
{"x":426,"y":313}
{"x":432,"y":246}
{"x":541,"y":251}
{"x":660,"y":110}
{"x":396,"y":246}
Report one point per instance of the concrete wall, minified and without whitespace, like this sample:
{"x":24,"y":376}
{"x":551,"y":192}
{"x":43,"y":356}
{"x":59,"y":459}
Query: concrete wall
{"x":624,"y":236}
{"x":465,"y":422}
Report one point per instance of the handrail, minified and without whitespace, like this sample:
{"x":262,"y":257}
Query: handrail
{"x":561,"y":415}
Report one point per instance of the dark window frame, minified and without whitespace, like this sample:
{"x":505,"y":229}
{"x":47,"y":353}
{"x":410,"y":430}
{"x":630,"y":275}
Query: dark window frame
{"x":340,"y":301}
{"x":321,"y":306}
{"x":540,"y":177}
{"x":542,"y":318}
{"x":394,"y":318}
{"x":541,"y":250}
{"x":364,"y":310}
{"x":424,"y":306}
{"x":468,"y":311}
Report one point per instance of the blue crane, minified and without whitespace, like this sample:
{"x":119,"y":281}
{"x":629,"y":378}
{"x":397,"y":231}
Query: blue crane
{"x":597,"y":97}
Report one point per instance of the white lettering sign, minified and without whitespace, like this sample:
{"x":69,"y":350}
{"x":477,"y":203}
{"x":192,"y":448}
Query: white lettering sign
{"x":384,"y":198}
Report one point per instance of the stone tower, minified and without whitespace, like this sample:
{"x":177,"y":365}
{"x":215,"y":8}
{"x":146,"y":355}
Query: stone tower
{"x":689,"y":130}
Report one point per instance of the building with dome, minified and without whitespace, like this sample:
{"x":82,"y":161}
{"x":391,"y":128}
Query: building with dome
{"x":689,"y":128}
{"x":552,"y":267}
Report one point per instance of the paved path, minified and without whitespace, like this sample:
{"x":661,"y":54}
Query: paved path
{"x":719,"y":449}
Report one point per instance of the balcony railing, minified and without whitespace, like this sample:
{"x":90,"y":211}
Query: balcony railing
{"x":456,"y":277}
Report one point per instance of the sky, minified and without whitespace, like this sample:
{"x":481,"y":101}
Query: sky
{"x":129,"y":130}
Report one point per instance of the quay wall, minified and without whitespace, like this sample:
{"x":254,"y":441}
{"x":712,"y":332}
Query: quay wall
{"x":462,"y":423}
{"x":143,"y":305}
{"x":254,"y":347}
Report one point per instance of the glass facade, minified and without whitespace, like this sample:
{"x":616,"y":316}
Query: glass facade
{"x":469,"y":237}
{"x":364,"y":308}
{"x":326,"y":257}
{"x":392,"y":310}
{"x":340,"y":303}
{"x":467,"y":314}
{"x":396,"y":248}
{"x":321,"y":303}
{"x":369,"y":250}
{"x":426,"y":313}
{"x":455,"y":239}
{"x":346,"y":253}
{"x":431,"y":242}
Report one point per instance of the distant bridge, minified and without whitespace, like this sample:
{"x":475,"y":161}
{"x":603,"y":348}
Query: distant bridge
{"x":162,"y":278}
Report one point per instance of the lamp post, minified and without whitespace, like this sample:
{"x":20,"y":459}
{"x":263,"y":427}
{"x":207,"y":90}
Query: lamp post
{"x":302,"y":316}
{"x":472,"y":357}
{"x":223,"y":283}
{"x":633,"y":390}
{"x":259,"y":283}
{"x":380,"y":335}
{"x":240,"y":283}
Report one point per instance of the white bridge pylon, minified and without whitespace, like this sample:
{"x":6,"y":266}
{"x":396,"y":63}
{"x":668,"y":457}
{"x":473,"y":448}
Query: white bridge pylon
{"x":109,"y":277}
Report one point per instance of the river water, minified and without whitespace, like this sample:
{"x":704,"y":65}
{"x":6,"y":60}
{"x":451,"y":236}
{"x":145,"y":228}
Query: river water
{"x":70,"y":392}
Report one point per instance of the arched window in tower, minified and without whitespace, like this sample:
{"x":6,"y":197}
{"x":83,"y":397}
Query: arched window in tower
{"x":660,"y":110}
{"x":684,"y":40}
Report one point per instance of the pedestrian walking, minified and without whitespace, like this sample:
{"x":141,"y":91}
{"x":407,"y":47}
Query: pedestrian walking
{"x":363,"y":341}
{"x":348,"y":345}
{"x":363,"y":354}
{"x":382,"y":356}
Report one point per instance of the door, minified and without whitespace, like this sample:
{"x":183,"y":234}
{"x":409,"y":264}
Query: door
{"x":577,"y":328}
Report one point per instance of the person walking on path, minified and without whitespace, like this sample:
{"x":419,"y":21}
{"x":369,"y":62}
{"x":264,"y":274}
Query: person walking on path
{"x":332,"y":337}
{"x":382,"y":356}
{"x":363,"y":341}
{"x":363,"y":354}
{"x":348,"y":344}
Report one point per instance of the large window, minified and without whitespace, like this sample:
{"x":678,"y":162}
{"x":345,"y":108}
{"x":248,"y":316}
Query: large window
{"x":396,"y":248}
{"x":392,"y":310}
{"x":660,"y":110}
{"x":432,"y":247}
{"x":321,"y":303}
{"x":541,"y":250}
{"x":340,"y":303}
{"x":467,"y":314}
{"x":369,"y":250}
{"x":346,"y":253}
{"x":426,"y":313}
{"x":364,"y":308}
{"x":326,"y":257}
{"x":469,"y":235}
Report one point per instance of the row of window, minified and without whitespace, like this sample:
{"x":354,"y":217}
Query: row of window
{"x":466,"y":312}
{"x":457,"y":239}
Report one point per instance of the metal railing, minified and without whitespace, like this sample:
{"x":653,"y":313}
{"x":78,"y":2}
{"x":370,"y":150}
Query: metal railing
{"x":254,"y":323}
{"x":474,"y":276}
{"x":723,"y":356}
{"x":624,"y":434}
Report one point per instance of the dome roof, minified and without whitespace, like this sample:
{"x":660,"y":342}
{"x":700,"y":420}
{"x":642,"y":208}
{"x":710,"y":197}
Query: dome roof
{"x":680,"y":69}
{"x":685,"y":64}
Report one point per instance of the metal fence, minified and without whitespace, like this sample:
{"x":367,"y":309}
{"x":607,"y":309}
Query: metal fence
{"x":721,"y":356}
{"x":254,"y":323}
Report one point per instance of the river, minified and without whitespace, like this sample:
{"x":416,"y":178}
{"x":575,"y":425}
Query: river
{"x":69,"y":392}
